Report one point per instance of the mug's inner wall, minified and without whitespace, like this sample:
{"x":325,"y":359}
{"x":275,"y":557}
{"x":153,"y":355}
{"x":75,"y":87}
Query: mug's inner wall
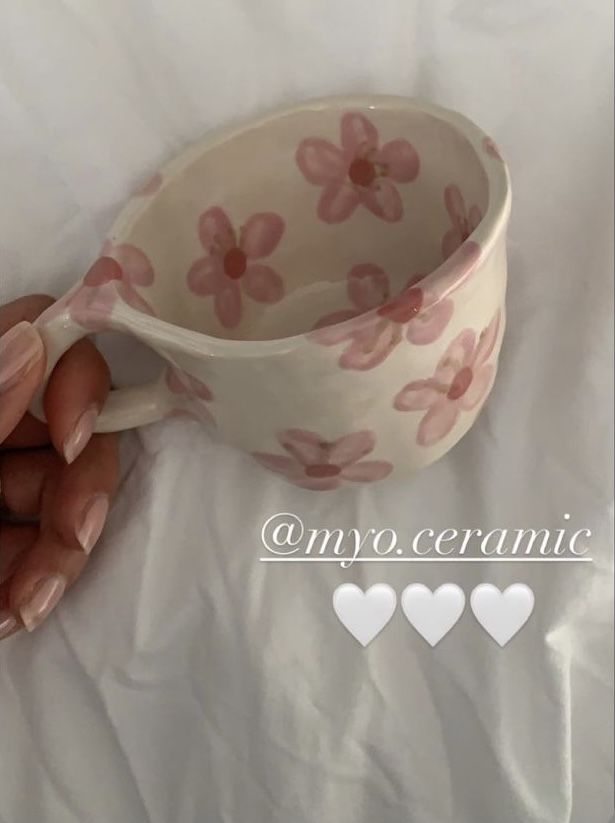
{"x":339,"y":191}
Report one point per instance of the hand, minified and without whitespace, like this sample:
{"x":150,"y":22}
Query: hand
{"x":57,"y":475}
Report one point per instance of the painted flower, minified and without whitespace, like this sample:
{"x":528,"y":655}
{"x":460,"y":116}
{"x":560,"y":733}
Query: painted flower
{"x":461,"y":380}
{"x":188,"y":388}
{"x":463,"y":220}
{"x":491,"y":148}
{"x":416,"y":314}
{"x":111,"y":278}
{"x":314,"y":463}
{"x":359,"y":172}
{"x":228,"y":267}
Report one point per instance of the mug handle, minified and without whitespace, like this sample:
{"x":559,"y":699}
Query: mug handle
{"x":125,"y":408}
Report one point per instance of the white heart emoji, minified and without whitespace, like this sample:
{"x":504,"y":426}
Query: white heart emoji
{"x":433,"y":614}
{"x":502,"y":614}
{"x":364,"y":614}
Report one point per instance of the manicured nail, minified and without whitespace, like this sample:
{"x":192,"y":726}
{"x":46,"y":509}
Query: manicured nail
{"x":45,"y":598}
{"x":20,"y":348}
{"x":92,"y":522}
{"x":80,"y":435}
{"x":8,"y":624}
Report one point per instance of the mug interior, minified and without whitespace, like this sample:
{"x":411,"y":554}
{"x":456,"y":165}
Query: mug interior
{"x":307,"y":219}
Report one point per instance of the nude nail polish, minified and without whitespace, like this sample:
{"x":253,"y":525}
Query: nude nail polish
{"x":8,"y":624}
{"x":80,"y":435}
{"x":92,"y":522}
{"x":20,"y":348}
{"x":44,"y":599}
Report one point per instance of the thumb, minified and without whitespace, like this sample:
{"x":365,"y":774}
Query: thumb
{"x":22,"y":367}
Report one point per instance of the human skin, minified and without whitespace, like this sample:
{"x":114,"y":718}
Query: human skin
{"x":58,"y":477}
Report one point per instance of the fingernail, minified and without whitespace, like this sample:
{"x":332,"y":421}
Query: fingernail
{"x":8,"y":624}
{"x":45,"y":598}
{"x":92,"y":522}
{"x":20,"y":348}
{"x":80,"y":435}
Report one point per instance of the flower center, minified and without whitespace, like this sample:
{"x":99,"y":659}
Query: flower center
{"x":322,"y":470}
{"x":460,"y":384}
{"x":362,"y":172}
{"x":234,"y":263}
{"x":403,"y":308}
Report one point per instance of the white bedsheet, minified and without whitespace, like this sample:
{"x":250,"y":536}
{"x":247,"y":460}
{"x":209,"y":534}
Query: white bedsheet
{"x":182,"y":681}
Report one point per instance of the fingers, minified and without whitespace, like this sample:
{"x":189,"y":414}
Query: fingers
{"x":76,"y":392}
{"x":74,"y":501}
{"x":78,"y":386}
{"x":75,"y":508}
{"x":24,"y":308}
{"x":22,"y":359}
{"x":74,"y":396}
{"x":42,"y":577}
{"x":22,"y":366}
{"x":70,"y":491}
{"x":14,"y":541}
{"x":23,"y":475}
{"x":28,"y":433}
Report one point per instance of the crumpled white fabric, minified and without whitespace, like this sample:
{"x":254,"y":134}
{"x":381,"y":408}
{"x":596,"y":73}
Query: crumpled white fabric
{"x":184,"y":681}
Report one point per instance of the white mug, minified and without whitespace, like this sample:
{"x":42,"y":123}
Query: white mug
{"x":325,"y":286}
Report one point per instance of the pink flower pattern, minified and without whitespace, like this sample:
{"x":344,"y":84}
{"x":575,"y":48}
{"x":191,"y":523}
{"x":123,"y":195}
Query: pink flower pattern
{"x":359,"y":172}
{"x":194,"y":391}
{"x":463,"y":220}
{"x":416,"y":314}
{"x":111,"y":278}
{"x":228,"y":265}
{"x":461,"y":380}
{"x":321,"y":465}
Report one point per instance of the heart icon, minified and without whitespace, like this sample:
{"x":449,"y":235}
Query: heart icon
{"x":364,"y":614}
{"x":433,"y":614}
{"x":502,"y":614}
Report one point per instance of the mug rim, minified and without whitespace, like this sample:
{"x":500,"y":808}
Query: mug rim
{"x":486,"y":234}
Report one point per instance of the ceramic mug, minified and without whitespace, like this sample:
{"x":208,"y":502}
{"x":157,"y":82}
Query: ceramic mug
{"x":325,"y":286}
